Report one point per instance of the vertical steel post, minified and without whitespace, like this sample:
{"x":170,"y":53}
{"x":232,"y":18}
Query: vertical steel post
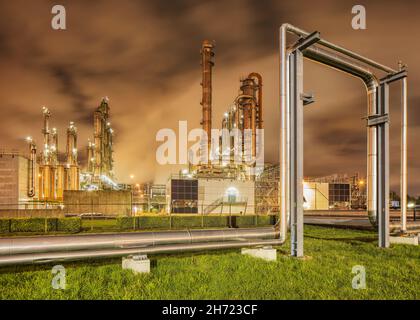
{"x":383,"y":166}
{"x":296,"y":152}
{"x":284,"y":131}
{"x":404,"y":156}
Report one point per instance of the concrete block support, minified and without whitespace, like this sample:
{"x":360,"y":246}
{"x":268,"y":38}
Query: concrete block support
{"x":413,"y":240}
{"x":138,"y":264}
{"x":266,"y":253}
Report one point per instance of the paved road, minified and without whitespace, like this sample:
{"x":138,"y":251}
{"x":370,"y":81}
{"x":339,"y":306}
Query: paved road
{"x":358,"y":222}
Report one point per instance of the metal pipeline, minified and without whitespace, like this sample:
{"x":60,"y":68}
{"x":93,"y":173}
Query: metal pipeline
{"x":284,"y":158}
{"x":337,"y":62}
{"x":301,"y":33}
{"x":39,"y":258}
{"x":404,"y":156}
{"x":52,"y":248}
{"x":371,"y":83}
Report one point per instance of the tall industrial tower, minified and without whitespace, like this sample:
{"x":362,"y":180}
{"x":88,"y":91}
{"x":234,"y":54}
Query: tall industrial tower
{"x":207,"y":64}
{"x":54,"y":176}
{"x":102,"y":147}
{"x":71,"y":169}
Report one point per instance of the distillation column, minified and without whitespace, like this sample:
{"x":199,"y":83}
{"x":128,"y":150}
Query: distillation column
{"x":90,"y":157}
{"x":207,"y":64}
{"x":248,"y":103}
{"x":45,"y":172}
{"x":98,"y":144}
{"x":72,"y":167}
{"x":102,"y":143}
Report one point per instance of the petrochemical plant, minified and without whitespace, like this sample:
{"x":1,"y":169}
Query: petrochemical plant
{"x":228,"y":179}
{"x":43,"y":178}
{"x":219,"y":184}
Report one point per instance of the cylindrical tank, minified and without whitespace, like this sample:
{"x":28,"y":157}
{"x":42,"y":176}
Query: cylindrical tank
{"x":45,"y":182}
{"x":61,"y":181}
{"x":247,"y":103}
{"x":71,"y":148}
{"x":54,"y":147}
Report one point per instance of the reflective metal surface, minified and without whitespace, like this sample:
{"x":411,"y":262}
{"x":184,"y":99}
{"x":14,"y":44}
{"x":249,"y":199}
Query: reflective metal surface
{"x":25,"y":249}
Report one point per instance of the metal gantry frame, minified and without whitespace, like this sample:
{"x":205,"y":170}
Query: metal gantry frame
{"x":293,"y":99}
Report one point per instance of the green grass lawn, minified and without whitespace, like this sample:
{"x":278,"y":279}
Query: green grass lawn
{"x":326,"y":273}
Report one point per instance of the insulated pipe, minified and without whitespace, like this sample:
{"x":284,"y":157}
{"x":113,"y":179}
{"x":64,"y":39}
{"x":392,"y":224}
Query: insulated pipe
{"x":371,"y":83}
{"x":284,"y":159}
{"x":44,"y":244}
{"x":96,"y":254}
{"x":327,"y":44}
{"x":404,"y":156}
{"x":339,"y":63}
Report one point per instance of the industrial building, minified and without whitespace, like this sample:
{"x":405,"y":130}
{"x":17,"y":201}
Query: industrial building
{"x":338,"y":191}
{"x":41,"y":178}
{"x":222,"y":185}
{"x":31,"y":180}
{"x":15,"y":180}
{"x":99,"y":172}
{"x":210,"y":195}
{"x":219,"y":183}
{"x":53,"y":175}
{"x":149,"y":197}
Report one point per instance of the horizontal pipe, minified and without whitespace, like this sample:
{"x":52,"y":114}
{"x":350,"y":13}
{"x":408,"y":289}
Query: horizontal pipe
{"x":338,"y":62}
{"x":39,"y":258}
{"x":334,"y":61}
{"x":43,"y":244}
{"x":327,"y":44}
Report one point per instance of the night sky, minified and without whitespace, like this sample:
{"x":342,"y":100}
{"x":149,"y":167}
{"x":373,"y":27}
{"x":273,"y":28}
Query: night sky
{"x":145,"y":56}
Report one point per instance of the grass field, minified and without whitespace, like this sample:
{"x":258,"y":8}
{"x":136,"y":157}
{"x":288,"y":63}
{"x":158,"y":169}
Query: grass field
{"x":325,"y":273}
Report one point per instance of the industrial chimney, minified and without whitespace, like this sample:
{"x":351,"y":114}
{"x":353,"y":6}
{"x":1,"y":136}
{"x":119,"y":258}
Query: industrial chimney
{"x":207,"y":64}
